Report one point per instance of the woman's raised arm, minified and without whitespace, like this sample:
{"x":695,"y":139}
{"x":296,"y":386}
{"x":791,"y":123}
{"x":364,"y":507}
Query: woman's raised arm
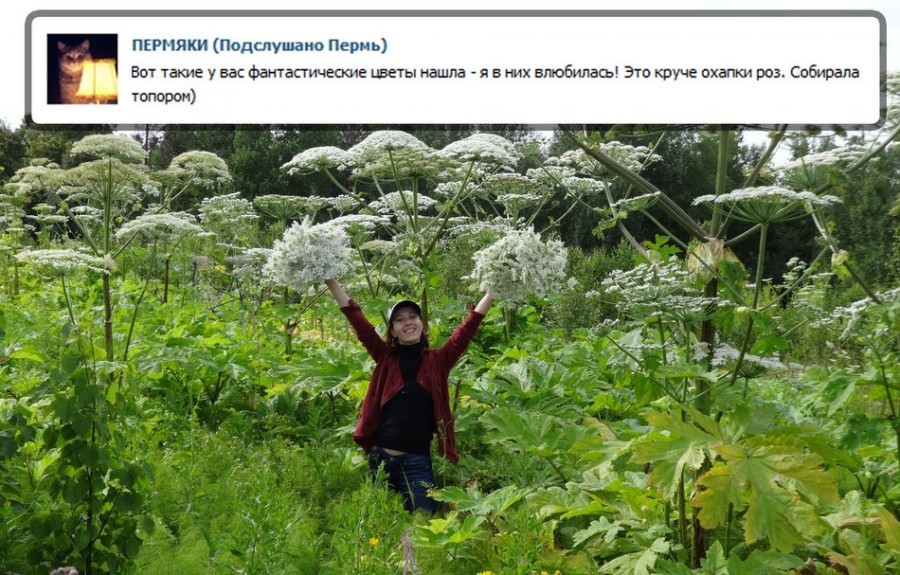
{"x":337,"y":291}
{"x":485,"y":304}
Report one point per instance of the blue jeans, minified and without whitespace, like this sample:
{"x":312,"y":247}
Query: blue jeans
{"x":409,"y":474}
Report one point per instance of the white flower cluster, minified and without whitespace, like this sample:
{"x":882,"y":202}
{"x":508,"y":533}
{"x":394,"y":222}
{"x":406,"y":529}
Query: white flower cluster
{"x":835,"y":157}
{"x":63,"y":262}
{"x":358,"y":221}
{"x":498,"y":141}
{"x":851,"y":316}
{"x":480,"y":150}
{"x":102,"y":146}
{"x":288,"y":207}
{"x":504,"y":183}
{"x":514,"y":203}
{"x":634,"y":158}
{"x":317,"y":160}
{"x":520,"y":264}
{"x":343,"y":203}
{"x":583,"y":186}
{"x":551,"y":175}
{"x":659,"y":290}
{"x":156,"y":227}
{"x":386,"y":141}
{"x":405,"y":202}
{"x":308,"y":254}
{"x":768,"y":204}
{"x":226,"y":208}
{"x":376,"y":146}
{"x":453,"y":189}
{"x":202,"y":169}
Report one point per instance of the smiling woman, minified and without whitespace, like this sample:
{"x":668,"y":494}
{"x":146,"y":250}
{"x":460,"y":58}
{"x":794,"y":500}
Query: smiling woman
{"x":408,"y":399}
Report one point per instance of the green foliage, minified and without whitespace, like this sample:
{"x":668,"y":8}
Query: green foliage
{"x":143,"y":433}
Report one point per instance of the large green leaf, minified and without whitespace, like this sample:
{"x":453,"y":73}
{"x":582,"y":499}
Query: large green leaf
{"x":672,"y":447}
{"x":784,"y":485}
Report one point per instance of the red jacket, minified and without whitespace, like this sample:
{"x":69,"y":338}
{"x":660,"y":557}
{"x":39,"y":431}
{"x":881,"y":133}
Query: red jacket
{"x":387,"y":380}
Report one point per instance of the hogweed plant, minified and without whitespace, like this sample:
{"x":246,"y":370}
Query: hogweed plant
{"x":714,"y":269}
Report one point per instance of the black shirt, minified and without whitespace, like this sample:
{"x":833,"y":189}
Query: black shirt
{"x":407,"y":419}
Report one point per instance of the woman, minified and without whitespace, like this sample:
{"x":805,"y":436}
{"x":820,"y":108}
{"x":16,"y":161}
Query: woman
{"x":408,"y":399}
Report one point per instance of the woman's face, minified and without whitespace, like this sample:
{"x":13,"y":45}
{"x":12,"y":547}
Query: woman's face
{"x":407,"y":326}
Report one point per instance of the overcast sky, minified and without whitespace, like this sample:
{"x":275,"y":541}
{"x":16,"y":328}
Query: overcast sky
{"x":13,"y":14}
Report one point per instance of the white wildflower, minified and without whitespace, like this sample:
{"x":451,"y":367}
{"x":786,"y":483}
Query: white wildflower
{"x":851,"y":316}
{"x":343,"y":203}
{"x":583,"y":186}
{"x":386,"y":141}
{"x":768,"y":204}
{"x":836,"y":157}
{"x":225,"y":208}
{"x":379,"y":246}
{"x":316,"y":160}
{"x":308,"y":254}
{"x":156,"y":227}
{"x":551,"y":175}
{"x":634,"y":158}
{"x":358,"y":221}
{"x":202,"y":169}
{"x":248,"y":265}
{"x":658,"y":290}
{"x":63,"y":262}
{"x":283,"y":207}
{"x":454,"y":189}
{"x":514,"y":203}
{"x":478,"y":150}
{"x":104,"y":146}
{"x":520,"y":264}
{"x":498,"y":141}
{"x":405,"y":202}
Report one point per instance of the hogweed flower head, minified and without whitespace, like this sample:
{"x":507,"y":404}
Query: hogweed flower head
{"x":317,"y":160}
{"x":520,"y":264}
{"x":479,"y":150}
{"x":388,"y":153}
{"x":64,"y":262}
{"x":202,"y":169}
{"x":507,"y":183}
{"x":660,"y":291}
{"x":226,"y":208}
{"x":768,"y":204}
{"x":852,"y":316}
{"x":634,"y":158}
{"x":551,"y":175}
{"x":104,"y":146}
{"x":159,"y":227}
{"x":843,"y":156}
{"x":308,"y":254}
{"x":283,"y":207}
{"x":405,"y":202}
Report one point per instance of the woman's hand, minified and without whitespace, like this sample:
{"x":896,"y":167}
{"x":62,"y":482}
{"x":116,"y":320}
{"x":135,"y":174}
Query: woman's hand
{"x":485,"y":304}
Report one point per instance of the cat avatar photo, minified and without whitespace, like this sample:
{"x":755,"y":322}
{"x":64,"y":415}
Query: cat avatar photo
{"x":69,"y":57}
{"x":71,"y":65}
